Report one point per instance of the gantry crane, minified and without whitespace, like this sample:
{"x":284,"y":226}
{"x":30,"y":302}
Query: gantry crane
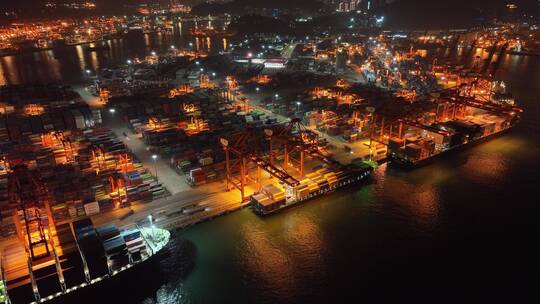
{"x":104,"y":95}
{"x":471,"y":101}
{"x":66,"y":143}
{"x":47,"y":141}
{"x":295,"y":138}
{"x":242,"y":149}
{"x":30,"y":198}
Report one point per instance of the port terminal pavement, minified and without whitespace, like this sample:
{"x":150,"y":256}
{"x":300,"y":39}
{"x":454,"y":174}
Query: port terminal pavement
{"x":187,"y":205}
{"x":359,"y":149}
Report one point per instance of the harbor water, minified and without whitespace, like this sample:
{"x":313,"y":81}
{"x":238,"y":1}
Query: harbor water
{"x":462,"y":229}
{"x":70,"y":63}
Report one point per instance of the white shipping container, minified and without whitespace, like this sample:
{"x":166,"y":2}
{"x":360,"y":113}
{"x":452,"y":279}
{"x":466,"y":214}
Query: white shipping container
{"x":91,"y":208}
{"x":80,"y":122}
{"x":206,"y":161}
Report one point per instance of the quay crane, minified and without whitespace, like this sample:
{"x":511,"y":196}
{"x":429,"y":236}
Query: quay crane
{"x":247,"y":147}
{"x":28,"y":195}
{"x":31,"y":198}
{"x":240,"y":150}
{"x":297,"y":138}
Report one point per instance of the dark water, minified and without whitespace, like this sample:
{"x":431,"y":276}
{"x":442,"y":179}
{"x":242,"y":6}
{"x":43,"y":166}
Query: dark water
{"x":463,"y":229}
{"x":69,"y":64}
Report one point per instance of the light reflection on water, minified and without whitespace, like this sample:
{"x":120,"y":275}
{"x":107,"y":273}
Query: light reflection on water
{"x":272,"y":266}
{"x":410,"y":231}
{"x":69,"y":64}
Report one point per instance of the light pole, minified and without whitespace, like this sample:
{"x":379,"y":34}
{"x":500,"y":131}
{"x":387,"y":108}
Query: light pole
{"x":154,"y":158}
{"x":152,"y":226}
{"x":298,"y":103}
{"x":257,"y":89}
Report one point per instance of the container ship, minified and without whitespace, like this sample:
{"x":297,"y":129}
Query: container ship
{"x":80,"y":257}
{"x":272,"y":198}
{"x":425,"y":143}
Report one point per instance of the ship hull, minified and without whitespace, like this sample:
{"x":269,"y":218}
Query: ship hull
{"x":357,"y":180}
{"x":133,"y":282}
{"x":397,"y":162}
{"x":131,"y":285}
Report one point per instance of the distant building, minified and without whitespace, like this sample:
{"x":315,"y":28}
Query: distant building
{"x":348,"y":5}
{"x":360,"y":5}
{"x":341,"y":59}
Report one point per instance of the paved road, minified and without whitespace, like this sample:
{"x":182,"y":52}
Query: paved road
{"x":90,"y":99}
{"x":288,"y":52}
{"x":355,"y":75}
{"x":159,"y":168}
{"x":183,"y":208}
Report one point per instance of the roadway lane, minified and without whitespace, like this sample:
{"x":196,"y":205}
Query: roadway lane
{"x":160,"y":168}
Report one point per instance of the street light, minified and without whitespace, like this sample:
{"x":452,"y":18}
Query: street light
{"x":112,"y":110}
{"x":173,"y":47}
{"x":152,"y":226}
{"x":197,"y":62}
{"x":155,"y":157}
{"x":298,"y":103}
{"x":129,"y":61}
{"x":257,"y":89}
{"x":88,"y":71}
{"x":213,"y":74}
{"x":153,"y":53}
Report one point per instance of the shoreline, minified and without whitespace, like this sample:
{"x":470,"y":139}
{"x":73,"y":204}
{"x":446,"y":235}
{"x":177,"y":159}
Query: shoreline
{"x":37,"y":50}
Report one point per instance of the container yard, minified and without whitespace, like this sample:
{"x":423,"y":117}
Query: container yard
{"x":33,"y":110}
{"x":271,"y":141}
{"x":83,"y":175}
{"x":186,"y":128}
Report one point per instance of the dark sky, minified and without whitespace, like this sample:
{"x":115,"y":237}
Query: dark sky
{"x":438,"y":13}
{"x":434,"y":14}
{"x":10,"y":3}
